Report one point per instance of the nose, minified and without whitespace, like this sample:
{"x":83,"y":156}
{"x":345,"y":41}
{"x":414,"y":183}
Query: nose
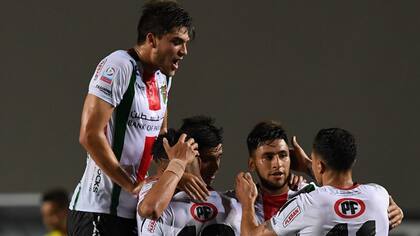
{"x":276,"y":162}
{"x":183,"y":50}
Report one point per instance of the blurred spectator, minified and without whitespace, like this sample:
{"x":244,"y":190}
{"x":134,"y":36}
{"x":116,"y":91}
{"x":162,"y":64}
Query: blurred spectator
{"x":54,"y":207}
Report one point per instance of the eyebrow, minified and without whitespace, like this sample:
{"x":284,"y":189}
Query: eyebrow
{"x":272,"y":153}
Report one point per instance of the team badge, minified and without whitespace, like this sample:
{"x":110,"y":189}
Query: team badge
{"x":203,"y":211}
{"x":349,"y":207}
{"x":164,"y":93}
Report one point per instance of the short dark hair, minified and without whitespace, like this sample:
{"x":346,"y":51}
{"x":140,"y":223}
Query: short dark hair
{"x":337,"y":147}
{"x":58,"y":195}
{"x":203,"y":131}
{"x":263,"y":133}
{"x":158,"y":151}
{"x":161,"y":17}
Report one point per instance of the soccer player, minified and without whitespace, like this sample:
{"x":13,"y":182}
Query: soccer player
{"x":271,"y":159}
{"x":218,"y":215}
{"x":122,"y":115}
{"x":54,"y":211}
{"x":340,"y":207}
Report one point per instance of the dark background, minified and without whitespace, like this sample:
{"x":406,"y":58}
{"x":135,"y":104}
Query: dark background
{"x":308,"y":64}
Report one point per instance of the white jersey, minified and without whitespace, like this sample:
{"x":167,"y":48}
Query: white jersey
{"x":219,"y":215}
{"x":359,"y":211}
{"x":135,"y":123}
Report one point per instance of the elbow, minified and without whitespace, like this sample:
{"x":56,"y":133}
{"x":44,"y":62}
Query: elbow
{"x":148,"y":211}
{"x":86,"y":139}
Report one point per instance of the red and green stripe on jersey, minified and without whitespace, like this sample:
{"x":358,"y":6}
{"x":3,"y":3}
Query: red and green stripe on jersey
{"x":122,"y":114}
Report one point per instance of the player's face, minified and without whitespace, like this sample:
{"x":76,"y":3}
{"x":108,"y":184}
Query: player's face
{"x":170,"y":50}
{"x":52,"y":216}
{"x":210,"y":163}
{"x":271,"y":162}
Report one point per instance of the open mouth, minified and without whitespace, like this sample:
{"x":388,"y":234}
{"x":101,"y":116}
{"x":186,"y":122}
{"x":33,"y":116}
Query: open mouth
{"x":277,"y":174}
{"x":175,"y":63}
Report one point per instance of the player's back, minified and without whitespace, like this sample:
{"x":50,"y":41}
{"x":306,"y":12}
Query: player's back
{"x":360,"y":210}
{"x":219,"y":215}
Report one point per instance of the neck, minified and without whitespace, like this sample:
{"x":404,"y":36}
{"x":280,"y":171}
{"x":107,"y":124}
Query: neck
{"x":275,"y":191}
{"x":338,"y":179}
{"x":144,"y":54}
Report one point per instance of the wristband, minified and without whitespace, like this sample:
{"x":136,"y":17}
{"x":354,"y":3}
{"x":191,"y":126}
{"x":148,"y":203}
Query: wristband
{"x":177,"y":167}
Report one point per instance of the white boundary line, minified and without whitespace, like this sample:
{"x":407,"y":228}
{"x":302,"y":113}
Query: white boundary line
{"x":19,"y":199}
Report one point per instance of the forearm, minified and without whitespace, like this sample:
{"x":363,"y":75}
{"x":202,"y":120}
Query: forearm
{"x":99,"y":149}
{"x":248,"y":222}
{"x":159,"y":196}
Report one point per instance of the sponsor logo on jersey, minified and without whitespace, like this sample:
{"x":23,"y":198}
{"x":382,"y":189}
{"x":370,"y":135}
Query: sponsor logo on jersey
{"x":151,"y":227}
{"x":108,"y":75}
{"x":99,"y":68}
{"x":104,"y":90}
{"x":203,"y":211}
{"x":349,"y":207}
{"x":110,"y":71}
{"x":291,"y":216}
{"x":98,"y":179}
{"x":106,"y":79}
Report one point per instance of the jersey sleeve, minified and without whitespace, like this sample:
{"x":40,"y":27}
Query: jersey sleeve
{"x":111,"y":79}
{"x":161,"y":226}
{"x":150,"y":227}
{"x":290,"y":219}
{"x":383,"y":197}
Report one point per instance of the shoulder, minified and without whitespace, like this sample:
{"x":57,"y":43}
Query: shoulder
{"x":374,"y":189}
{"x":119,"y":60}
{"x":304,"y":188}
{"x":229,"y":193}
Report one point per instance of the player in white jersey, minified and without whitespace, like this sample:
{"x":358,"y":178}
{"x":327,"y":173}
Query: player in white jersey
{"x":272,"y":161}
{"x":340,"y":207}
{"x":122,"y":115}
{"x":218,"y":215}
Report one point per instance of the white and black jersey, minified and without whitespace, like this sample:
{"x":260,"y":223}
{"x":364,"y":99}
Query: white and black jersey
{"x":360,"y":210}
{"x":219,"y":215}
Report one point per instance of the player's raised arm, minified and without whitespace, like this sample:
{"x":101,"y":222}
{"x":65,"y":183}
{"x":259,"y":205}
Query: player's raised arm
{"x":159,"y":196}
{"x":246,"y":192}
{"x":301,"y":162}
{"x":95,"y":116}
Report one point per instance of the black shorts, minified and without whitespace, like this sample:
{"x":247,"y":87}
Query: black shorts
{"x":81,"y":223}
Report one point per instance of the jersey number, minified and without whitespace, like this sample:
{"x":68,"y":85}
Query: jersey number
{"x":367,"y":229}
{"x":211,"y":230}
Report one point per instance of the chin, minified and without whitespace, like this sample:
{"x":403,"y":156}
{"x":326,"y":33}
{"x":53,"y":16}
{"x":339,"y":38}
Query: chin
{"x":169,"y":73}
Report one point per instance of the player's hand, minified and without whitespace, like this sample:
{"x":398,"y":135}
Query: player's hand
{"x":137,"y":187}
{"x":194,"y":186}
{"x":395,"y":214}
{"x":295,"y":181}
{"x":182,"y":150}
{"x":302,"y":162}
{"x":246,"y":190}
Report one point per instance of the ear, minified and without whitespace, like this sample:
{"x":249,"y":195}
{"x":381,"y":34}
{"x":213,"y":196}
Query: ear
{"x":251,"y":164}
{"x":151,"y":40}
